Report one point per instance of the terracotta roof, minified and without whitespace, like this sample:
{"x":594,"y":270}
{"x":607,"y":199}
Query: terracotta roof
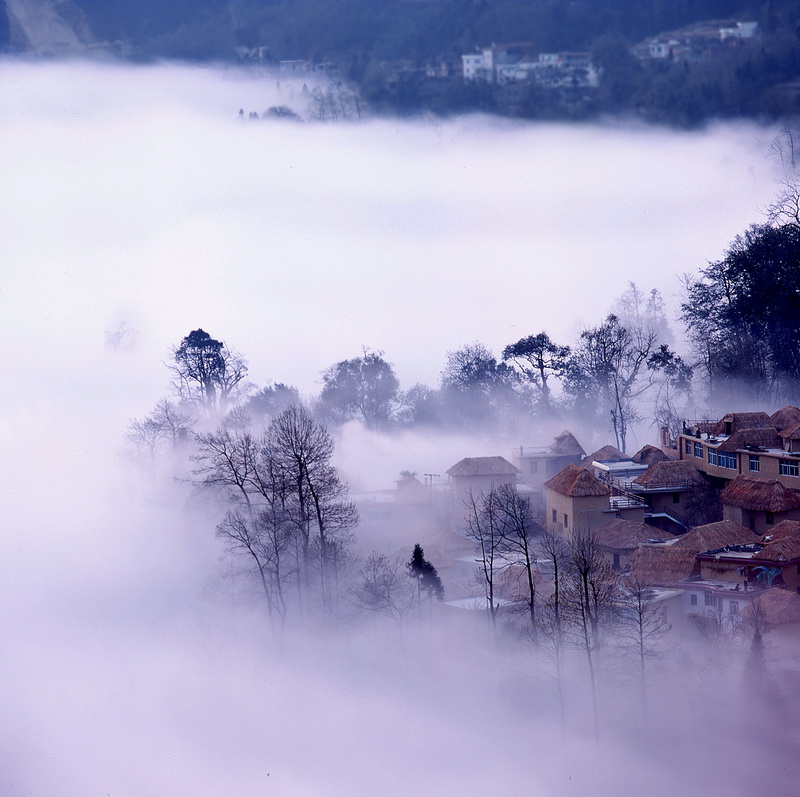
{"x":565,"y":443}
{"x":626,"y":535}
{"x":577,"y":482}
{"x":743,"y":420}
{"x":777,"y":606}
{"x":648,"y":455}
{"x":715,"y":535}
{"x":766,"y":436}
{"x":758,"y":495}
{"x":785,"y":417}
{"x":662,"y":566}
{"x":607,"y":454}
{"x":669,"y":472}
{"x":483,"y":466}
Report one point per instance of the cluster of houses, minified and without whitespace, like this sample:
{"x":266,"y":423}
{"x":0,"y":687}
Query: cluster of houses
{"x":649,"y":512}
{"x":518,"y":63}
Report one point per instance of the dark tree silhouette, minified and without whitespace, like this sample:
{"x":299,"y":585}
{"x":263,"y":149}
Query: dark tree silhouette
{"x":425,"y":574}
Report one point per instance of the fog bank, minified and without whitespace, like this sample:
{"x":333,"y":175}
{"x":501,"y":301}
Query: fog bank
{"x":131,"y":664}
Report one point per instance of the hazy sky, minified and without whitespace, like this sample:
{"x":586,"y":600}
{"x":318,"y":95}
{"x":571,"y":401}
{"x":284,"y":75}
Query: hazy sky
{"x":137,"y":195}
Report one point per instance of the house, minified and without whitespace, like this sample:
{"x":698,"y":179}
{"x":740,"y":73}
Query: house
{"x":662,"y":565}
{"x":577,"y":500}
{"x":759,"y":504}
{"x":620,"y":538}
{"x":774,"y":561}
{"x":753,"y":443}
{"x":476,"y":475}
{"x":537,"y":464}
{"x":715,"y":535}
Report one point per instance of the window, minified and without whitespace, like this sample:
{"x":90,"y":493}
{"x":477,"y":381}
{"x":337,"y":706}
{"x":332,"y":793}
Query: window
{"x":789,"y":468}
{"x":712,"y":456}
{"x":752,"y":523}
{"x":693,"y":600}
{"x":733,"y":607}
{"x":555,"y":516}
{"x":709,"y":598}
{"x":726,"y":460}
{"x":534,"y":466}
{"x":698,"y":450}
{"x":616,"y":561}
{"x":687,"y":446}
{"x":770,"y":518}
{"x":676,"y":498}
{"x":566,"y":522}
{"x":755,"y":464}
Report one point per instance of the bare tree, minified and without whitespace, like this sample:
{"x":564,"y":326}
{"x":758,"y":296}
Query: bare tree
{"x":265,"y":541}
{"x":518,"y":530}
{"x":642,"y":626}
{"x":484,"y":521}
{"x":590,"y":600}
{"x":384,"y":588}
{"x":303,"y":449}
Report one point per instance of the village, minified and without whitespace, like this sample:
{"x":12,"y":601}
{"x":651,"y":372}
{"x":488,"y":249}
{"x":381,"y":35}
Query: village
{"x":708,"y":521}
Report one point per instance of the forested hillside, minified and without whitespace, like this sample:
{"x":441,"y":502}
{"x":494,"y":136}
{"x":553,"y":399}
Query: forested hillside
{"x":405,"y":55}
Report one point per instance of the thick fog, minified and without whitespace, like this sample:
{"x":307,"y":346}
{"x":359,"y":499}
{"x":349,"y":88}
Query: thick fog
{"x":137,"y":195}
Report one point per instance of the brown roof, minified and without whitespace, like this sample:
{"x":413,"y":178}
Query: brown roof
{"x":647,"y":455}
{"x":715,"y":535}
{"x":606,"y":454}
{"x":669,"y":472}
{"x":565,"y":444}
{"x":662,"y":566}
{"x":766,"y":436}
{"x":743,"y":420}
{"x":783,"y":550}
{"x":577,"y":482}
{"x":626,"y":535}
{"x":757,"y":495}
{"x":790,"y":432}
{"x":483,"y":466}
{"x":786,"y":528}
{"x":777,"y":606}
{"x":785,"y":417}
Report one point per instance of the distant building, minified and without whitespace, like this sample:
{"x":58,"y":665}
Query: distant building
{"x":478,"y":475}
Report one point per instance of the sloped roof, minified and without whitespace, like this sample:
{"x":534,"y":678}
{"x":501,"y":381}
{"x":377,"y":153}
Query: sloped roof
{"x":669,"y":472}
{"x":626,"y":535}
{"x":411,"y":491}
{"x":483,"y":466}
{"x":565,"y":444}
{"x":785,"y":417}
{"x":662,"y":566}
{"x":606,"y":454}
{"x":648,"y":455}
{"x":577,"y":482}
{"x":715,"y":535}
{"x":758,"y":495}
{"x":783,"y":550}
{"x":786,"y":528}
{"x":790,"y":432}
{"x":766,"y":436}
{"x":743,"y":420}
{"x":777,"y":606}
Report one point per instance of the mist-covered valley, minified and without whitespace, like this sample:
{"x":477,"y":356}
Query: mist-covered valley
{"x":138,"y":657}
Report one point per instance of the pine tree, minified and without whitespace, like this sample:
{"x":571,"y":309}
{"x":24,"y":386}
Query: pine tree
{"x":424,"y":572}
